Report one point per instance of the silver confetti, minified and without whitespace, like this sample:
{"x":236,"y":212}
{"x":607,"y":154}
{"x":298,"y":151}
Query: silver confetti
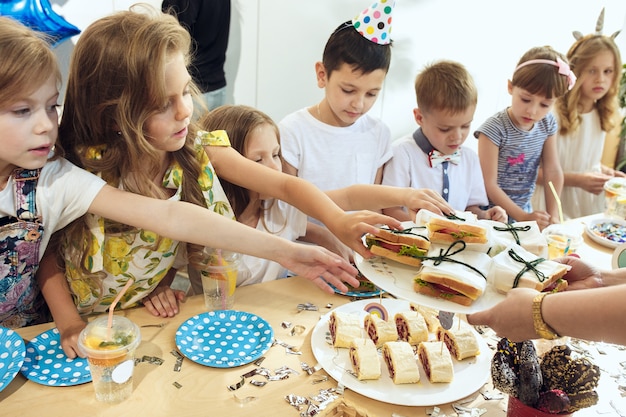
{"x":307,"y":307}
{"x":285,"y":324}
{"x":258,"y":383}
{"x":244,"y":400}
{"x":238,"y":385}
{"x":177,"y":385}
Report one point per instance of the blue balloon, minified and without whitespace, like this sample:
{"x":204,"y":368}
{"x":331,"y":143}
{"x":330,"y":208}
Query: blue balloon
{"x":38,"y":15}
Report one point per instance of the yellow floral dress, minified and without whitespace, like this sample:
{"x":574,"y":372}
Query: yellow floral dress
{"x":119,"y":252}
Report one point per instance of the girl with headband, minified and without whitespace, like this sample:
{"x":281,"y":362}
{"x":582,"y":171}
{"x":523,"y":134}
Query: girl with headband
{"x":585,"y":114}
{"x":514,"y":142}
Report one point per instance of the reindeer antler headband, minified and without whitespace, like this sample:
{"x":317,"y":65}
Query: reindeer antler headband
{"x":599,"y":26}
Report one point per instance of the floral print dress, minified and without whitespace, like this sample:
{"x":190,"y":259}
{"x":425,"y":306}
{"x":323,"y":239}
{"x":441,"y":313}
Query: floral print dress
{"x":117,"y":252}
{"x":21,"y":302}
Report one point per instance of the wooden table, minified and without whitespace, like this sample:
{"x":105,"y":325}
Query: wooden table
{"x":204,"y":390}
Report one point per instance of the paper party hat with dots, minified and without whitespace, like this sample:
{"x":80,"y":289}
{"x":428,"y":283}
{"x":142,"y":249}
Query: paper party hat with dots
{"x":374,"y":23}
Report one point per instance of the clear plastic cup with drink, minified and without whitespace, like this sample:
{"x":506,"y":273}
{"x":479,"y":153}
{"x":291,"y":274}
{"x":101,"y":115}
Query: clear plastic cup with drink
{"x":111,"y":356}
{"x":219,"y":270}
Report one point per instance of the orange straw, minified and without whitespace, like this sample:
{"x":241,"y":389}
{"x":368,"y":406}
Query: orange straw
{"x":114,"y":303}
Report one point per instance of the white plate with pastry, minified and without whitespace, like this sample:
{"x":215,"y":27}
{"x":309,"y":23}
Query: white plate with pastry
{"x":469,"y":374}
{"x":397,"y":279}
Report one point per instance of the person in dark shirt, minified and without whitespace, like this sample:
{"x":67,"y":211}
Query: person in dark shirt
{"x":208,"y":23}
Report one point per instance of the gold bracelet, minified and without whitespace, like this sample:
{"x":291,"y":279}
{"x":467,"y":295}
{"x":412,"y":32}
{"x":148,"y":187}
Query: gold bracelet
{"x":541,"y":327}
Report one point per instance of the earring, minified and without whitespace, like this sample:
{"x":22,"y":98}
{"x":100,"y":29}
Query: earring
{"x":119,"y":133}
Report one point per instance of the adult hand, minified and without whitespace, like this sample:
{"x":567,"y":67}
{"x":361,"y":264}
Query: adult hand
{"x":511,"y":317}
{"x":582,"y":274}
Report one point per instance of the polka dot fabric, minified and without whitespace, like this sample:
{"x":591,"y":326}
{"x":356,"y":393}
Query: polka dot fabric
{"x":374,"y":23}
{"x":12,"y":354}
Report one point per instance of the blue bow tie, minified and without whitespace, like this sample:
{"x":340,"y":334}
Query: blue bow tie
{"x":435,"y":157}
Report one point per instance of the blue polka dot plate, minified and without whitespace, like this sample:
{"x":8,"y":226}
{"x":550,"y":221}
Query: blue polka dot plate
{"x":12,"y":353}
{"x":46,"y":363}
{"x":224,"y":338}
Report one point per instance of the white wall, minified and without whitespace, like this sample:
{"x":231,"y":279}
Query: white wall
{"x":275,"y":44}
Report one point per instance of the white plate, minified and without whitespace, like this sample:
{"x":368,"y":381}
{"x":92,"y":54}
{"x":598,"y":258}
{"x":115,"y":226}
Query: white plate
{"x":397,"y":279}
{"x":595,"y":225}
{"x":12,"y":353}
{"x":224,"y":338}
{"x":469,"y":375}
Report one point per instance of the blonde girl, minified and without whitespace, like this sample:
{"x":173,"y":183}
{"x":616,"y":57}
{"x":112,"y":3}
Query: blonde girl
{"x":40,"y":193}
{"x":584,"y":115}
{"x":127,"y":117}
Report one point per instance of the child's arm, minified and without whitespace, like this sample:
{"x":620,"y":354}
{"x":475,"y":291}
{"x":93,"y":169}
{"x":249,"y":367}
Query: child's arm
{"x":163,"y":300}
{"x":488,"y":155}
{"x":348,"y":227}
{"x":551,"y":173}
{"x":376,"y":197}
{"x":54,"y":287}
{"x":321,"y":236}
{"x":191,"y":223}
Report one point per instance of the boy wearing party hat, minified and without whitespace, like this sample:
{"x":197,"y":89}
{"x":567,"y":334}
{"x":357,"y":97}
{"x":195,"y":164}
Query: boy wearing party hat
{"x":433,"y":157}
{"x":335,"y":143}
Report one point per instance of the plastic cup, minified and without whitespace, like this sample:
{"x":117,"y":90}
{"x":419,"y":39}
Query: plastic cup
{"x":615,"y":197}
{"x":219,"y":270}
{"x":563,"y":239}
{"x":111,"y":360}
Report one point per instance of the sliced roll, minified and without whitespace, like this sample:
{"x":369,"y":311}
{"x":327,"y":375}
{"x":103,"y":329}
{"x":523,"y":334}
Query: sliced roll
{"x":401,"y":362}
{"x":436,"y":361}
{"x":411,"y":327}
{"x":430,"y":315}
{"x":364,"y":359}
{"x":379,"y":330}
{"x":343,"y":328}
{"x":460,"y":340}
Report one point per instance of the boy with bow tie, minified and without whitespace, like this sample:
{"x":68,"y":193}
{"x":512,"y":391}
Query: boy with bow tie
{"x":433,"y":157}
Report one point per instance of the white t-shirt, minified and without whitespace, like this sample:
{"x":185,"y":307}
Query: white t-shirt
{"x":334,"y":157}
{"x":64,"y":193}
{"x":410,"y":167}
{"x":283,"y":220}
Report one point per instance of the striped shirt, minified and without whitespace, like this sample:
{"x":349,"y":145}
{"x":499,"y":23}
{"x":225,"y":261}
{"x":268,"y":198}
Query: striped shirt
{"x":519,"y":153}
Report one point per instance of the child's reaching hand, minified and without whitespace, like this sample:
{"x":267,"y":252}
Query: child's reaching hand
{"x":424,"y":198}
{"x":350,"y":228}
{"x":321,"y":266}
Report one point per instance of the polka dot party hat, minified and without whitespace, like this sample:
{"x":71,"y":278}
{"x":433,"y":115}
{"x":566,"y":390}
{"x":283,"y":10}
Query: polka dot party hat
{"x":374,"y":23}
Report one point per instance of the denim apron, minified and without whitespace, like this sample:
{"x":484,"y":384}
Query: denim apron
{"x":21,"y":302}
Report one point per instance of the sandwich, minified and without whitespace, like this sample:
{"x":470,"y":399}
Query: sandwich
{"x":405,"y":246}
{"x":436,"y":361}
{"x":443,"y":230}
{"x":364,"y":359}
{"x":411,"y":327}
{"x":343,"y":328}
{"x":460,"y":340}
{"x":525,"y":234}
{"x":401,"y":363}
{"x":515,"y":267}
{"x":460,"y":277}
{"x":379,"y":330}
